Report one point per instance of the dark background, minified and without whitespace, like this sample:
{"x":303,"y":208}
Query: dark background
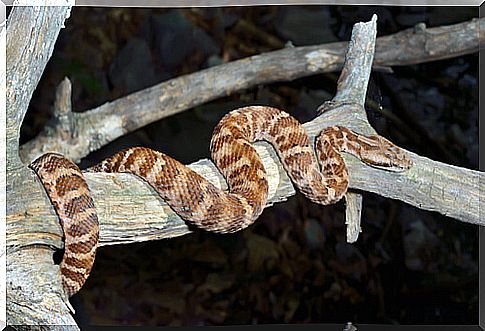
{"x":293,"y":265}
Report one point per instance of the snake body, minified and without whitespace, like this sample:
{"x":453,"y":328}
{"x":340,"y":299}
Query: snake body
{"x":322,"y":178}
{"x":72,"y":201}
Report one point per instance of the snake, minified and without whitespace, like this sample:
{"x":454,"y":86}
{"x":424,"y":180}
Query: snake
{"x":316,"y":168}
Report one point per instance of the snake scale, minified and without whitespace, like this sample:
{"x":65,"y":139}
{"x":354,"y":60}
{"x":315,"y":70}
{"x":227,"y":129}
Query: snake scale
{"x":321,"y":176}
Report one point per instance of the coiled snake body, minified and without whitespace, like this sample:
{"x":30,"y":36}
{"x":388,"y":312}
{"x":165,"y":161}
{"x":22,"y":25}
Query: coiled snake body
{"x":195,"y":199}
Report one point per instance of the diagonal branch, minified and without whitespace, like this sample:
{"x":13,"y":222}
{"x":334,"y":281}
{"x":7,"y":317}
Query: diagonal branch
{"x":99,"y":126}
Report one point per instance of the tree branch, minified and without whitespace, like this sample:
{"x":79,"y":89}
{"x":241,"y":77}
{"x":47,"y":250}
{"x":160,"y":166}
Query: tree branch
{"x":99,"y":126}
{"x":352,"y":89}
{"x":129,"y":210}
{"x":31,"y":35}
{"x":31,"y":276}
{"x":354,"y":78}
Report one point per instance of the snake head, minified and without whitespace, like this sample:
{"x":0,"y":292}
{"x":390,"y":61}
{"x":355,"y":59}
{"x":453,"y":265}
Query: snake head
{"x":385,"y":155}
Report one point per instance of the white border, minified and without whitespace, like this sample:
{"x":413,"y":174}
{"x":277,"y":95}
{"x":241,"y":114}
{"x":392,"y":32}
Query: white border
{"x":143,"y":3}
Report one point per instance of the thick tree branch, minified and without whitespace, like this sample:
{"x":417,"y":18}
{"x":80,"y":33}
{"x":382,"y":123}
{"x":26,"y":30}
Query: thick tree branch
{"x":130,"y":210}
{"x":99,"y":126}
{"x":31,"y":35}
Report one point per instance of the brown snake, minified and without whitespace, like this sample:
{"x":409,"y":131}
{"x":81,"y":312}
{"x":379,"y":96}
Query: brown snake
{"x":195,"y":199}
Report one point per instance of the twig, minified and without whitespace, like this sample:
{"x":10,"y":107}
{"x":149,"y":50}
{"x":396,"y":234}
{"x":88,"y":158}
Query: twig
{"x":353,"y":210}
{"x":101,"y":125}
{"x":63,"y":107}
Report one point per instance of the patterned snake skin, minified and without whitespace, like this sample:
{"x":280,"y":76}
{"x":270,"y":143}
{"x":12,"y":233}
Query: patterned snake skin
{"x":199,"y":202}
